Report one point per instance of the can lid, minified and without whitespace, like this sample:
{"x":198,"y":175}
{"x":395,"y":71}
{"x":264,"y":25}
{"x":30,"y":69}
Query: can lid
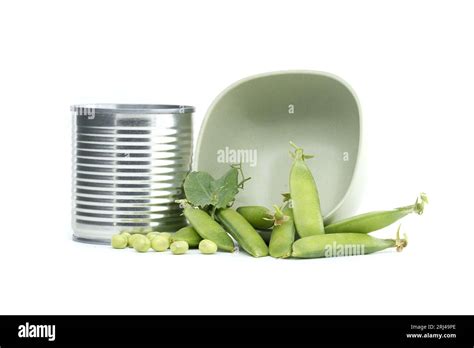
{"x":134,"y":108}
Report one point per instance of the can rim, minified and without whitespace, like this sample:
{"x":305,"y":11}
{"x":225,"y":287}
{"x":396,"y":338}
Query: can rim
{"x":134,"y":108}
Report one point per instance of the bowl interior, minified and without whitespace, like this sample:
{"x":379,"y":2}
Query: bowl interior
{"x":253,"y":121}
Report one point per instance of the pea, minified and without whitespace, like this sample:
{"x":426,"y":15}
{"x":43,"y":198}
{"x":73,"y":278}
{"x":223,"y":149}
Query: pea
{"x":141,"y":243}
{"x":189,"y":235}
{"x":283,"y":235}
{"x":151,"y":235}
{"x":343,"y":244}
{"x":243,"y":232}
{"x":207,"y":228}
{"x":207,"y":246}
{"x":373,"y":221}
{"x":119,"y":241}
{"x":132,"y":238}
{"x":166,"y":235}
{"x":160,"y":243}
{"x":305,"y":197}
{"x":125,"y":234}
{"x":179,"y":247}
{"x":259,"y":217}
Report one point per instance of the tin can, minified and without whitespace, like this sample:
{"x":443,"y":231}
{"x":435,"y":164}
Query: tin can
{"x":129,"y":164}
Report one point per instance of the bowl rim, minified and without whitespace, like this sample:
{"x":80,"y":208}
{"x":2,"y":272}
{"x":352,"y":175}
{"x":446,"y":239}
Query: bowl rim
{"x":357,"y":165}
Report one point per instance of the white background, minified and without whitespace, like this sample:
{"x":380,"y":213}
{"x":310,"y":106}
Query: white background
{"x":410,"y":62}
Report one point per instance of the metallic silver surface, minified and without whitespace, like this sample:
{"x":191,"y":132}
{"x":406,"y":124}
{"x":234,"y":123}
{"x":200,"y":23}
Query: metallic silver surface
{"x":129,"y":163}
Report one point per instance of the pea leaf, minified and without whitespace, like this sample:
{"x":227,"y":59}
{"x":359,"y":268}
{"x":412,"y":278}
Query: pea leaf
{"x":203,"y":190}
{"x":226,"y":187}
{"x":199,"y":188}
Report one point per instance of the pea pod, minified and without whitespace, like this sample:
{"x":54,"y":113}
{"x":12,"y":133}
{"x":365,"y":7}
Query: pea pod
{"x":305,"y":197}
{"x":243,"y":232}
{"x":259,"y":217}
{"x":207,"y":228}
{"x":373,"y":221}
{"x":187,"y":234}
{"x":343,"y":244}
{"x":283,"y":235}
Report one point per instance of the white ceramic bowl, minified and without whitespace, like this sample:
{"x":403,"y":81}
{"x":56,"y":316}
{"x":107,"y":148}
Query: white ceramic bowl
{"x":253,"y":120}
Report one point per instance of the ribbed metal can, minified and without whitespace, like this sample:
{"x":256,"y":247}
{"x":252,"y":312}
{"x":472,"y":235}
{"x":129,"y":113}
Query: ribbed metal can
{"x":129,"y":164}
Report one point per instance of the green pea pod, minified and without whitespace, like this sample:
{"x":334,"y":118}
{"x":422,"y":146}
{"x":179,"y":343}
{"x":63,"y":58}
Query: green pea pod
{"x":304,"y":197}
{"x":343,"y":244}
{"x":187,"y":234}
{"x":259,"y":217}
{"x":283,"y":235}
{"x":243,"y":232}
{"x":376,"y":220}
{"x":207,"y":228}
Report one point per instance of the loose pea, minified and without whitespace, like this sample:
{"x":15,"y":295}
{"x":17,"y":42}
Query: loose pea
{"x":243,"y":232}
{"x":160,"y":243}
{"x":179,"y":247}
{"x":165,"y":234}
{"x":141,"y":243}
{"x":125,"y":234}
{"x":283,"y":234}
{"x":207,"y":246}
{"x":305,"y":197}
{"x":151,"y":235}
{"x":343,"y":244}
{"x":132,"y":238}
{"x":259,"y":217}
{"x":207,"y":228}
{"x":189,"y":235}
{"x":373,"y":221}
{"x":119,"y":241}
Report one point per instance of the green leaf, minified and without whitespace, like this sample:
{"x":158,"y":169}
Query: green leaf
{"x":202,"y":190}
{"x":199,"y":188}
{"x":226,"y":187}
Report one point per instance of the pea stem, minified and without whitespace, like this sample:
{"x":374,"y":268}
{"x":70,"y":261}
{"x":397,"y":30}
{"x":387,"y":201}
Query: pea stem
{"x":241,"y":172}
{"x":400,"y":243}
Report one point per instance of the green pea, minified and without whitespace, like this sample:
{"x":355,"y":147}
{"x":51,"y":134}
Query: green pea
{"x":141,"y":243}
{"x":304,"y":197}
{"x":151,"y":235}
{"x":343,"y":244}
{"x":125,"y":234}
{"x":189,"y":235}
{"x":207,"y":246}
{"x":166,"y":234}
{"x":373,"y":221}
{"x":243,"y":232}
{"x":132,"y":238}
{"x":179,"y":247}
{"x":207,"y":228}
{"x":259,"y":217}
{"x":119,"y":241}
{"x":283,"y":234}
{"x":160,"y":243}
